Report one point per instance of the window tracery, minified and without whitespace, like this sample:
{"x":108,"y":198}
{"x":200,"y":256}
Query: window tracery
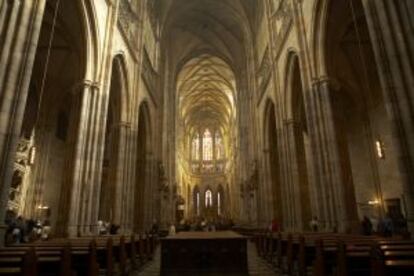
{"x":219,"y":146}
{"x":195,"y":148}
{"x":207,"y":146}
{"x":206,"y":151}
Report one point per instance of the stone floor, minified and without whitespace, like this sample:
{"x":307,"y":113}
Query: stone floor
{"x":257,"y":266}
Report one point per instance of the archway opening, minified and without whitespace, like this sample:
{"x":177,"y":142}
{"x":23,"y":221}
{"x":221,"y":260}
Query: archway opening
{"x":301,"y":144}
{"x":142,"y":173}
{"x":206,"y":120}
{"x":109,"y":182}
{"x":50,"y":120}
{"x":272,"y":163}
{"x":366,"y":146}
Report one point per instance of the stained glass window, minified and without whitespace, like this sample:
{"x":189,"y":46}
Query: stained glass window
{"x":219,"y":146}
{"x":207,"y":146}
{"x":195,"y":148}
{"x":209,"y":198}
{"x":218,"y":203}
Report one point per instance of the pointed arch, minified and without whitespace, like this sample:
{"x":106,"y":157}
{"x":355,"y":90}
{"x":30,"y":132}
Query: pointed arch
{"x":298,"y":131}
{"x":72,"y":65}
{"x":272,"y":161}
{"x":117,"y":113}
{"x":293,"y":84}
{"x":143,"y":202}
{"x":318,"y":34}
{"x":208,"y":198}
{"x":120,"y":74}
{"x":92,"y":45}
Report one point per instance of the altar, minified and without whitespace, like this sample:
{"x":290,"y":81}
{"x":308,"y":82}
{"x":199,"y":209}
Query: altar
{"x":201,"y":253}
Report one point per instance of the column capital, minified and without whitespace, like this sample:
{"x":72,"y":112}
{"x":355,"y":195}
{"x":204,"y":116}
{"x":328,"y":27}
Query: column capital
{"x":290,"y":121}
{"x":83,"y":84}
{"x":326,"y":80}
{"x":122,"y":124}
{"x":110,"y":3}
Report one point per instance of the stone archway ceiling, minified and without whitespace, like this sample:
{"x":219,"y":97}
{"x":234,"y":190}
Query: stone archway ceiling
{"x":222,"y":27}
{"x":206,"y":45}
{"x":206,"y":88}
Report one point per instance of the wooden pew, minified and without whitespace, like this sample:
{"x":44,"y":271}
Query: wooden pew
{"x":54,"y":258}
{"x":46,"y":261}
{"x":392,"y":259}
{"x":352,"y":260}
{"x":25,"y":264}
{"x":88,"y":254}
{"x":147,"y":243}
{"x":133,"y":252}
{"x":142,"y":252}
{"x":306,"y":255}
{"x":325,"y":253}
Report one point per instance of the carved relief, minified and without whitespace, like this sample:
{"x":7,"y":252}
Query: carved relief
{"x":150,"y":76}
{"x":153,"y":8}
{"x":275,"y":4}
{"x":264,"y":72}
{"x":282,"y":20}
{"x":24,"y":155}
{"x":128,"y":21}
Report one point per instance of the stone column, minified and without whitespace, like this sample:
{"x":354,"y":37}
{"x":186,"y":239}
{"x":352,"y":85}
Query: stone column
{"x":390,"y":25}
{"x":330,"y":190}
{"x":121,"y":176}
{"x":292,"y":129}
{"x":281,"y":183}
{"x":155,"y":191}
{"x":265,"y":190}
{"x":87,"y":168}
{"x":130,"y":189}
{"x":20,"y":24}
{"x":150,"y":190}
{"x":132,"y":199}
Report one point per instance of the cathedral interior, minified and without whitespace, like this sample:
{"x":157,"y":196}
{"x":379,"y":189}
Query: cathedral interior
{"x":230,"y":111}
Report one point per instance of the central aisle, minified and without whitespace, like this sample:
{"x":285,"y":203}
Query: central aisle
{"x":257,"y":266}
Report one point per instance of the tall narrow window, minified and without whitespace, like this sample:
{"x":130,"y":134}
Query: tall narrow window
{"x":209,"y":198}
{"x":218,"y":203}
{"x":195,"y":148}
{"x":219,"y":146}
{"x":198,"y":203}
{"x":207,"y":146}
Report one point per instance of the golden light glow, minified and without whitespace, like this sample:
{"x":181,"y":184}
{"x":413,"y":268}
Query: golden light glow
{"x":380,"y":149}
{"x":374,"y":202}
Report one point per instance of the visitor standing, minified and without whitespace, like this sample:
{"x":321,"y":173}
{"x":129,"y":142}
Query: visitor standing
{"x":171,"y":231}
{"x":366,"y":226}
{"x":46,"y":229}
{"x":275,"y":226}
{"x":314,"y":224}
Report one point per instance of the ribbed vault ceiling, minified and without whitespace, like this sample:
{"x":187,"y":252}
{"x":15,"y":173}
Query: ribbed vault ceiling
{"x":206,"y":88}
{"x":221,"y":27}
{"x":206,"y":44}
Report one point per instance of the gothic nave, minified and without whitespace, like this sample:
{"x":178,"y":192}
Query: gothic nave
{"x":244,"y":113}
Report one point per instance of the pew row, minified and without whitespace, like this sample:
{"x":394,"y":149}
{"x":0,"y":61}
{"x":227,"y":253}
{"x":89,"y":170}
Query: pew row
{"x":103,"y":255}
